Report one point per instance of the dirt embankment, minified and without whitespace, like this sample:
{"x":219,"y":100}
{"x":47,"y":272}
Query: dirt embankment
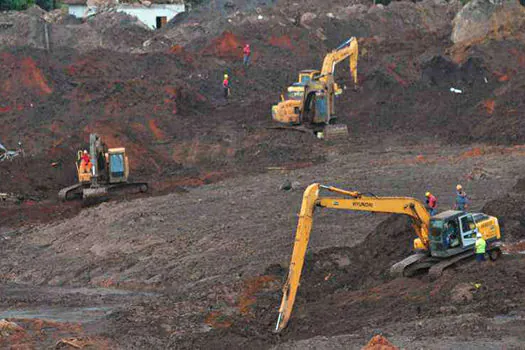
{"x":166,"y":107}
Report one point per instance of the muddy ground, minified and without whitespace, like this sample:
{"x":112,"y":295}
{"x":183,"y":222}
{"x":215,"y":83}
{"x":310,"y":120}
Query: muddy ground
{"x":199,"y":261}
{"x":203,"y":269}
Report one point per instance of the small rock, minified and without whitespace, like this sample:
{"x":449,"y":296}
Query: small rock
{"x":343,"y":261}
{"x":330,"y":15}
{"x":320,"y":34}
{"x":447,"y":310}
{"x":286,"y":186}
{"x":462,"y":293}
{"x":307,"y":18}
{"x":296,"y":185}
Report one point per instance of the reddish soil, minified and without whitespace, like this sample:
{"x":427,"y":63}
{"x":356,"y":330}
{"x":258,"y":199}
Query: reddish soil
{"x":199,"y":261}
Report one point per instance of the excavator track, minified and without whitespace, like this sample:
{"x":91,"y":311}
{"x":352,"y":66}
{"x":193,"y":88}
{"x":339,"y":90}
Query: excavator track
{"x":299,"y":128}
{"x":436,"y":270}
{"x":70,"y":192}
{"x":121,"y":188}
{"x":335,"y":132}
{"x":399,"y":268}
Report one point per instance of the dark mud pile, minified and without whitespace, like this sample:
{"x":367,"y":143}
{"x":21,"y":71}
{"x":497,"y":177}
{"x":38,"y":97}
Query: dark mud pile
{"x":509,"y":211}
{"x":360,"y":266}
{"x":344,"y":290}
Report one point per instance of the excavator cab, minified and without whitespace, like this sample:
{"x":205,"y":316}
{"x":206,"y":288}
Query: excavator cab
{"x":305,"y":76}
{"x":452,"y":232}
{"x":117,"y":165}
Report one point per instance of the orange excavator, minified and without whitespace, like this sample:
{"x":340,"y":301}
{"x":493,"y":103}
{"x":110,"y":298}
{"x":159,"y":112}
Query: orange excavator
{"x":309,"y":104}
{"x":442,"y":240}
{"x":107,"y":173}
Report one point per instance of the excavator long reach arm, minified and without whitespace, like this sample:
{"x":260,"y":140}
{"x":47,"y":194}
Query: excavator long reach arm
{"x":347,"y":49}
{"x":351,"y":200}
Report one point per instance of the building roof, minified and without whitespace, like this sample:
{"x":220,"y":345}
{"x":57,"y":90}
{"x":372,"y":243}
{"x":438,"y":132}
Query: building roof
{"x":74,"y":2}
{"x":84,"y":2}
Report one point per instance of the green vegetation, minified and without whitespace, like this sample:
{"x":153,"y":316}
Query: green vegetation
{"x":15,"y":4}
{"x":19,"y":5}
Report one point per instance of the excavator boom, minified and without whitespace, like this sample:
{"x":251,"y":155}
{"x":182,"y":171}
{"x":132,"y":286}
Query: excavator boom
{"x":354,"y":201}
{"x":457,"y":228}
{"x":347,"y":49}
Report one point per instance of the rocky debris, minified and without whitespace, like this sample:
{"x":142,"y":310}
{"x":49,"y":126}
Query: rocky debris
{"x":288,"y":185}
{"x":462,"y":293}
{"x":378,"y":342}
{"x":479,"y":18}
{"x":307,"y":19}
{"x":7,"y":328}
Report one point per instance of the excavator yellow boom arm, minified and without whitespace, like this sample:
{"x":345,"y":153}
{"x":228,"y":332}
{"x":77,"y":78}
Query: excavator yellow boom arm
{"x":348,"y":49}
{"x":353,"y":201}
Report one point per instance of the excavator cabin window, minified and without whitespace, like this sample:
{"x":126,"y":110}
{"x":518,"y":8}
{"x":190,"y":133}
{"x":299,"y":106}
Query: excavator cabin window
{"x":116,"y":162}
{"x":294,"y":95}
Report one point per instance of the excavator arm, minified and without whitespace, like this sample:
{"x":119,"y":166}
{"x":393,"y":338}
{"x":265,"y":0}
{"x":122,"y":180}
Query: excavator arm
{"x":352,"y":200}
{"x":347,"y":49}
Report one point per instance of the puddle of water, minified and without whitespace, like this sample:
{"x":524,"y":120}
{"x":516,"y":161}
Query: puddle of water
{"x":71,"y":315}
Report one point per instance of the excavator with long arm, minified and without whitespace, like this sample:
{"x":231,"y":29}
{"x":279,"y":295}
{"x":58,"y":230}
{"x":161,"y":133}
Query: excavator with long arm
{"x":310,"y":102}
{"x":442,"y":240}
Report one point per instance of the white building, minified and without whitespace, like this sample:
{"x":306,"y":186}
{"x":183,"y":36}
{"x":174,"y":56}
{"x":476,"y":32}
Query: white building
{"x":155,"y":15}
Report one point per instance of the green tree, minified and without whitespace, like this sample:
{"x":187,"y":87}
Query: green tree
{"x":16,"y":5}
{"x":47,"y":5}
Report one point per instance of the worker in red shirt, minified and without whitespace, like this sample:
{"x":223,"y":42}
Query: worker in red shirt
{"x":431,"y":203}
{"x":247,"y":53}
{"x":226,"y":86}
{"x":85,"y":162}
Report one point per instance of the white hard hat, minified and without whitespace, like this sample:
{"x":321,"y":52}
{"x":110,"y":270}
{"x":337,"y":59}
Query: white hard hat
{"x":85,"y":151}
{"x":478,"y":235}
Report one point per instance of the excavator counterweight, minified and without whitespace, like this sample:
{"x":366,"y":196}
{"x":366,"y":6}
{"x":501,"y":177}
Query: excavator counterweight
{"x":442,"y":240}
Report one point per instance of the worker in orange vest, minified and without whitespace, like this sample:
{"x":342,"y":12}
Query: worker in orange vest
{"x":85,"y":162}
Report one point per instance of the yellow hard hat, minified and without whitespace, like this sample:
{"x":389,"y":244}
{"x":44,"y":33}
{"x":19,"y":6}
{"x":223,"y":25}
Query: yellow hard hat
{"x":427,"y":194}
{"x":459,"y":187}
{"x":225,"y":76}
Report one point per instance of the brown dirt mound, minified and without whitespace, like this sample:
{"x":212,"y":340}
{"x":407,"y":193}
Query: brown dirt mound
{"x":509,"y":211}
{"x":363,"y":265}
{"x":379,"y":342}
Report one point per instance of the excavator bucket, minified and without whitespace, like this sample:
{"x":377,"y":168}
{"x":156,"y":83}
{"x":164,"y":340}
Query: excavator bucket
{"x":335,"y":132}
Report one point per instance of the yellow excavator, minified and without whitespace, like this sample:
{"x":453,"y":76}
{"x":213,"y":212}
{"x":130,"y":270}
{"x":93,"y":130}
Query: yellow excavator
{"x":442,"y":240}
{"x":108,"y":173}
{"x":310,"y":102}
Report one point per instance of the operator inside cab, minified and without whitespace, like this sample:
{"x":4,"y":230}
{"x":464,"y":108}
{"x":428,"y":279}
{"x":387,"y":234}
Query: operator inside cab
{"x":85,"y":162}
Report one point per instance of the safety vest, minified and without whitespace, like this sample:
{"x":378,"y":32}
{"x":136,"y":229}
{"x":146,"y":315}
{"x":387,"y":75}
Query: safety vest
{"x":481,"y":246}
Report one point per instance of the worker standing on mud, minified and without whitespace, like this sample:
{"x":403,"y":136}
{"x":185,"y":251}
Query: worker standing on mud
{"x":431,"y":203}
{"x":462,"y":200}
{"x":247,"y":53}
{"x":226,"y":86}
{"x":481,"y":248}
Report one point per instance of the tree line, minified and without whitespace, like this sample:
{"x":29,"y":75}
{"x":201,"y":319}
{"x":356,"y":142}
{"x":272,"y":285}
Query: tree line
{"x":18,"y":5}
